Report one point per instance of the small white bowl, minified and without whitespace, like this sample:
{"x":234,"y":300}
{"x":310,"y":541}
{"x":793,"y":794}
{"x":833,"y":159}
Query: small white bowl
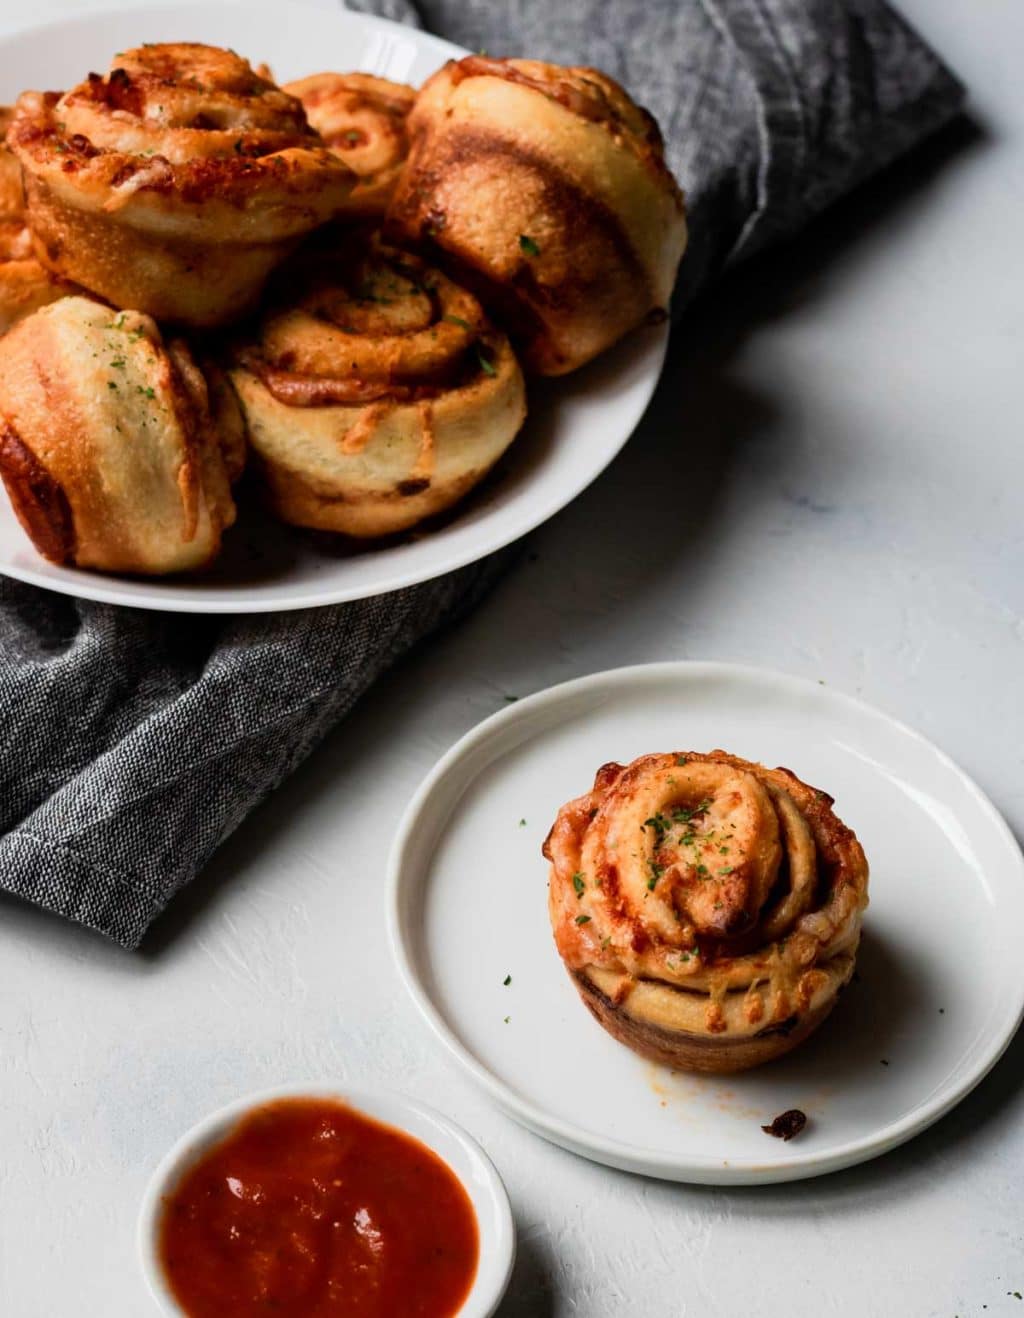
{"x":457,"y":1149}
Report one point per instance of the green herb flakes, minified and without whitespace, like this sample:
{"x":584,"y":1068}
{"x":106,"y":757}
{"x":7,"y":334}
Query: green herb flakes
{"x":659,"y":824}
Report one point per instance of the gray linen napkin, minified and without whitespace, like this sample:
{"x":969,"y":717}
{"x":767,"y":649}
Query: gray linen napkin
{"x":134,"y":743}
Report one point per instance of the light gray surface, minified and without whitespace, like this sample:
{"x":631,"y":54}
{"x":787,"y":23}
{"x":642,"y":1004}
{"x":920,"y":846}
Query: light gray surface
{"x":829,"y":483}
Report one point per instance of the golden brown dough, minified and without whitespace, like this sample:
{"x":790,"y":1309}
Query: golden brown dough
{"x":108,"y":448}
{"x":24,"y":283}
{"x":175,"y":183}
{"x":708,"y":909}
{"x":546,"y":189}
{"x":362,"y":119}
{"x":377,"y":393}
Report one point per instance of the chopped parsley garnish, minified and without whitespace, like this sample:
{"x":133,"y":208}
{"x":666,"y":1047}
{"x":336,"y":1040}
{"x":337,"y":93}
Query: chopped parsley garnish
{"x":118,"y":363}
{"x":578,"y":884}
{"x":656,"y":872}
{"x":522,"y":823}
{"x":111,"y":384}
{"x":507,"y":980}
{"x":486,"y":365}
{"x":660,"y":825}
{"x":681,"y":815}
{"x":681,"y":760}
{"x":527,"y":245}
{"x":583,"y":919}
{"x":147,"y":392}
{"x":457,"y":320}
{"x":507,"y":1019}
{"x":728,"y":869}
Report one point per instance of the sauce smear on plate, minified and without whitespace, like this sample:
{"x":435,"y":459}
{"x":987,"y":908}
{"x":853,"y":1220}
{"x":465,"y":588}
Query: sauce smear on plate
{"x":307,"y":1208}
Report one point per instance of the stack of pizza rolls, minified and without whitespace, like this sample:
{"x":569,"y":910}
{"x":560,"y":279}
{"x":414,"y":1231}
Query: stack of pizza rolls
{"x":341,"y":278}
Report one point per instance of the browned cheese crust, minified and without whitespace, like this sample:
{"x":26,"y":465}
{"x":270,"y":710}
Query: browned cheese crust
{"x":110,"y":451}
{"x":363,"y":120}
{"x":174,"y":183}
{"x":376,"y":392}
{"x":707,"y":908}
{"x":546,"y":190}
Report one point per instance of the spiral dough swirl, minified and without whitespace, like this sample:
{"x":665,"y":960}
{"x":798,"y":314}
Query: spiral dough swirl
{"x":377,"y":392}
{"x":546,"y":189}
{"x":174,"y":183}
{"x":363,"y":120}
{"x":703,"y":900}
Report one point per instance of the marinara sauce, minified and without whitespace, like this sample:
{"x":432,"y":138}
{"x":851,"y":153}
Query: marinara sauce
{"x":309,"y":1208}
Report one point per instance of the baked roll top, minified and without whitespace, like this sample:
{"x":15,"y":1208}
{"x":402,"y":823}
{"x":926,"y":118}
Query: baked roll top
{"x":175,"y":182}
{"x":708,"y":908}
{"x":108,"y":446}
{"x":363,"y":120}
{"x":377,"y":392}
{"x":547,"y":188}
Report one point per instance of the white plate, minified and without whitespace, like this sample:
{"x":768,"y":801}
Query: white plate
{"x":449,"y":1141}
{"x":575,"y":428}
{"x":940,"y":988}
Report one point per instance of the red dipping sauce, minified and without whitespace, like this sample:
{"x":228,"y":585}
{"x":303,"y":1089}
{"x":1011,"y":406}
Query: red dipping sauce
{"x":307,"y":1208}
